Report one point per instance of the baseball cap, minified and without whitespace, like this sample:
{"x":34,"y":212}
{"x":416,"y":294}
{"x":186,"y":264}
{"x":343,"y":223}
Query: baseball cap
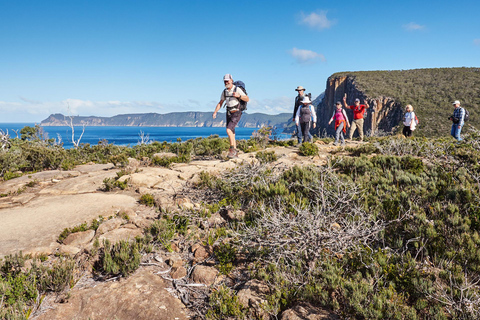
{"x":227,"y":77}
{"x":456,"y":102}
{"x":357,"y":100}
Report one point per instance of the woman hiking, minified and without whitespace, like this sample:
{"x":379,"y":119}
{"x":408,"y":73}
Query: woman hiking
{"x":341,"y":123}
{"x":304,"y":117}
{"x":409,"y":121}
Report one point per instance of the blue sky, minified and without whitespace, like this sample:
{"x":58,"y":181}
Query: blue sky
{"x":113,"y":57}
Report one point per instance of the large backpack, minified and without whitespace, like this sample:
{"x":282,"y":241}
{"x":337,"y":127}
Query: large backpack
{"x":243,"y":104}
{"x":467,"y":115}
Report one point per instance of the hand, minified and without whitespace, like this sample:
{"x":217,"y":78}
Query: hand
{"x":329,"y":122}
{"x":345,"y":98}
{"x":314,"y":125}
{"x":348,"y":125}
{"x":214,"y":115}
{"x":459,"y":127}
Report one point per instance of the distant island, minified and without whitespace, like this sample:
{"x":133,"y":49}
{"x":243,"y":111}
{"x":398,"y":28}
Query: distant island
{"x":174,"y":119}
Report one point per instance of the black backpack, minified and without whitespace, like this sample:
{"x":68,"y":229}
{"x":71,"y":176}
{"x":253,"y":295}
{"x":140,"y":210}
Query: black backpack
{"x":467,"y":115}
{"x":243,"y":104}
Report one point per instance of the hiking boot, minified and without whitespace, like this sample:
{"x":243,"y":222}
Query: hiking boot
{"x":335,"y":143}
{"x":232,"y":153}
{"x":343,"y":144}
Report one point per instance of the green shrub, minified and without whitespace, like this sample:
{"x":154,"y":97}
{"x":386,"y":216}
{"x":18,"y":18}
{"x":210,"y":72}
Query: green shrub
{"x":308,"y":149}
{"x":147,"y":199}
{"x":121,"y":258}
{"x":224,"y":304}
{"x":225,"y":254}
{"x":266,"y":156}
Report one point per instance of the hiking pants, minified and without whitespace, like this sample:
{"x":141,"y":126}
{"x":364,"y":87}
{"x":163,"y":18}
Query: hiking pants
{"x":305,"y":126}
{"x":356,"y":123}
{"x":300,"y":135}
{"x":455,"y":132}
{"x":339,"y":133}
{"x":407,"y":132}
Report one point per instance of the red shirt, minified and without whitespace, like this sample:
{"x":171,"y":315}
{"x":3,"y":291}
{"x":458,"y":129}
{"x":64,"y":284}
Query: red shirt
{"x":358,"y":111}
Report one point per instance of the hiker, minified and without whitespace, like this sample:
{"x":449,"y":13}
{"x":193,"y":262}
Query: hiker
{"x":232,"y":95}
{"x":298,"y":103}
{"x":304,"y":117}
{"x":341,"y":123}
{"x":458,"y":119}
{"x":358,"y":112}
{"x":409,"y":121}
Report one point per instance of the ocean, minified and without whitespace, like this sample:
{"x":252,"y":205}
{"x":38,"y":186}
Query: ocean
{"x":129,"y":135}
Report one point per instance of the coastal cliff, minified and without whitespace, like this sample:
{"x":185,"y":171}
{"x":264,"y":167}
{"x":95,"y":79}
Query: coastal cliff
{"x":384,"y":112}
{"x":430,"y":92}
{"x":174,"y":119}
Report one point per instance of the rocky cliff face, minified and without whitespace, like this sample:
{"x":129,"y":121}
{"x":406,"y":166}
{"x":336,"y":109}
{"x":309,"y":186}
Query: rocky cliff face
{"x":384,"y":113}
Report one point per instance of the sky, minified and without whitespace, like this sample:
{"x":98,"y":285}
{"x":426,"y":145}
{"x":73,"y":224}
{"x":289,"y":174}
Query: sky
{"x":102,"y":58}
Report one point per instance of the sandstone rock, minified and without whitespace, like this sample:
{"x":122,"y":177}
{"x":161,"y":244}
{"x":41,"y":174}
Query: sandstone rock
{"x":69,"y":250}
{"x":140,"y":222}
{"x":306,"y":311}
{"x":86,"y":168}
{"x":79,"y":238}
{"x":120,"y":234}
{"x":178,"y":273}
{"x":252,"y":296}
{"x":109,"y":225}
{"x":142,"y":296}
{"x":202,"y":253}
{"x":204,"y":274}
{"x":175,"y":261}
{"x":232,"y":215}
{"x":216,"y":220}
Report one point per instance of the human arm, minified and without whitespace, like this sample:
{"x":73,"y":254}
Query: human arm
{"x":219,"y":105}
{"x":239,"y":94}
{"x":346,"y":118}
{"x":314,"y":116}
{"x":297,"y":117}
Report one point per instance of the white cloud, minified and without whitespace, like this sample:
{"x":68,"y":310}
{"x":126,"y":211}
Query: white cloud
{"x":476,"y":42}
{"x":306,"y":56}
{"x":317,"y":21}
{"x":412,"y":26}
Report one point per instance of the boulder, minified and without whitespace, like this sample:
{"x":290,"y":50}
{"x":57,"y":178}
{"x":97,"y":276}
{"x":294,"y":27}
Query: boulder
{"x":204,"y":274}
{"x":202,"y":253}
{"x":178,"y":273}
{"x":252,"y":296}
{"x":79,"y":238}
{"x":142,"y":296}
{"x":109,"y":225}
{"x":120,"y":234}
{"x":69,"y":250}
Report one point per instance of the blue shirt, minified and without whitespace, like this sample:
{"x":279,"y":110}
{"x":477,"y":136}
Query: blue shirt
{"x":459,"y":113}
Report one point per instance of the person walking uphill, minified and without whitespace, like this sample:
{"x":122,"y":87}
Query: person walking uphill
{"x":298,"y":103}
{"x":358,"y":111}
{"x":341,"y":123}
{"x":458,"y":119}
{"x":231,"y":95}
{"x":304,"y":117}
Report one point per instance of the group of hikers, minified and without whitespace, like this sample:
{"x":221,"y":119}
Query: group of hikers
{"x":235,"y":97}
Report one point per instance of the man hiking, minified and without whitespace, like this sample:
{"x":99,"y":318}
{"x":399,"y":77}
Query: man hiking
{"x":458,"y":119}
{"x":358,"y":111}
{"x":231,"y":95}
{"x":298,"y":103}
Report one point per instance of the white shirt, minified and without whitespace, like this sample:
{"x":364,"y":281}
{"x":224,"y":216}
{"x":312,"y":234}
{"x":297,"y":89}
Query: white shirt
{"x":230,"y":100}
{"x":409,"y":120}
{"x":312,"y":110}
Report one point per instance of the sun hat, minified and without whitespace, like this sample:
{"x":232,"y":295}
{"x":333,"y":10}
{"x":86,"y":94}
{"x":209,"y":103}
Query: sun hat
{"x":456,"y":102}
{"x":300,"y":88}
{"x":227,"y":77}
{"x":306,"y":100}
{"x":357,"y":100}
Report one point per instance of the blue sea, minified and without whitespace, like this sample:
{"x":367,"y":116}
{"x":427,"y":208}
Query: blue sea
{"x":129,"y":135}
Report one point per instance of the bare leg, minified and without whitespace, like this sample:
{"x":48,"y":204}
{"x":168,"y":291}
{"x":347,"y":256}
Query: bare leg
{"x":231,"y":138}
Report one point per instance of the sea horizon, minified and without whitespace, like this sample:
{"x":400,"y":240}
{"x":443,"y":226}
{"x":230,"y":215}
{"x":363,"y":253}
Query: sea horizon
{"x":127,"y":135}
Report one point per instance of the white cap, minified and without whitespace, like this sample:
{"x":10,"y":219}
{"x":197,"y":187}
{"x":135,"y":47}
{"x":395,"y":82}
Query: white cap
{"x":306,"y":100}
{"x":357,"y":100}
{"x":456,"y":102}
{"x":227,"y":77}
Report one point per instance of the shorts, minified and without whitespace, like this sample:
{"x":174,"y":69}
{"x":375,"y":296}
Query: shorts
{"x":233,"y":119}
